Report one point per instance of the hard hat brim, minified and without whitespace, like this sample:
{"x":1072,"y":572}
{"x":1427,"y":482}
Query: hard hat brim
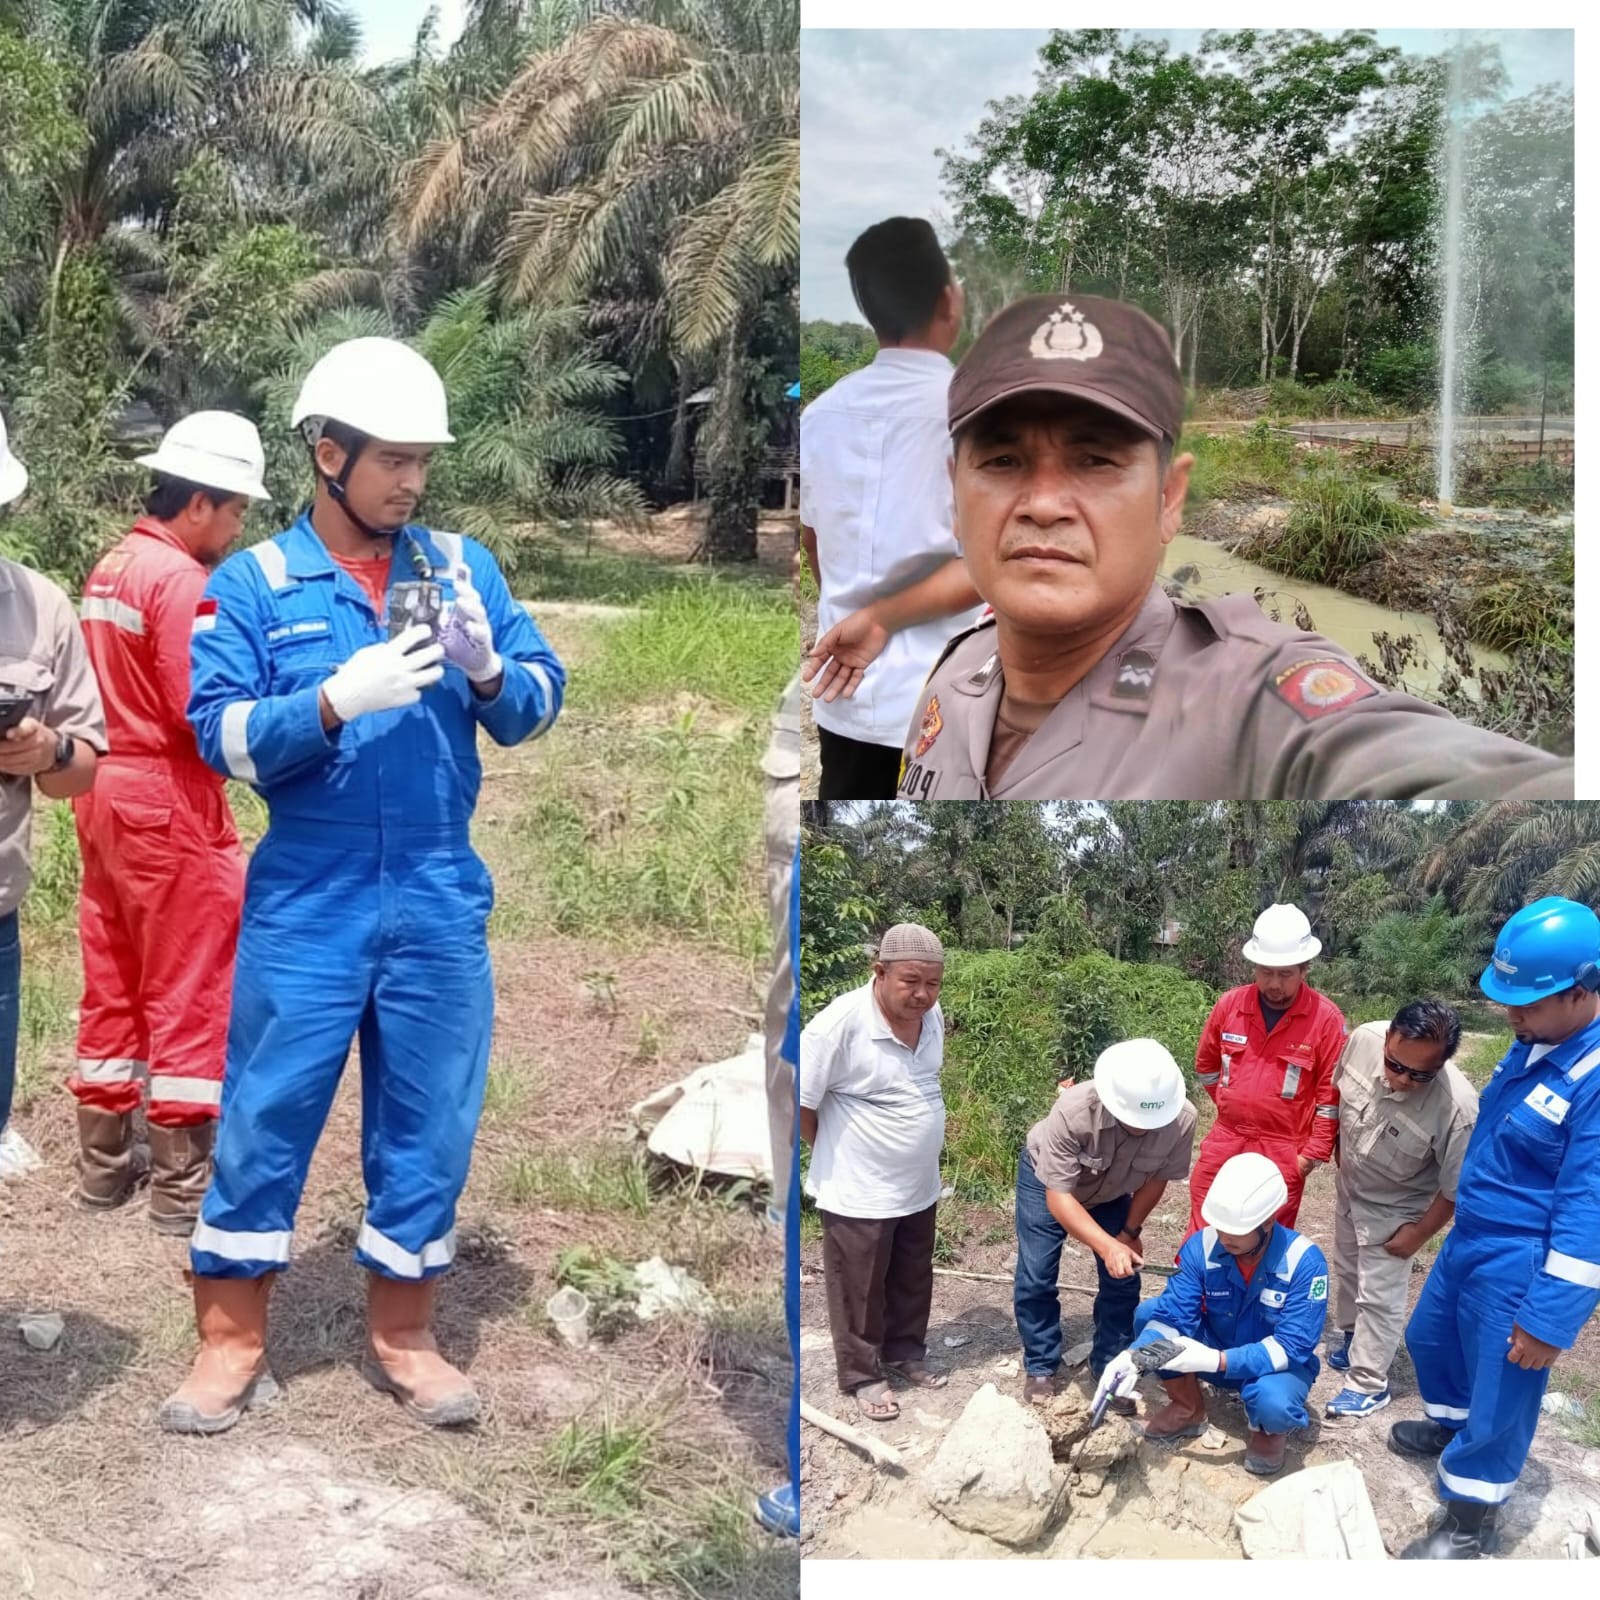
{"x":1310,"y":949}
{"x":13,"y":479}
{"x":220,"y":479}
{"x":1506,"y":994}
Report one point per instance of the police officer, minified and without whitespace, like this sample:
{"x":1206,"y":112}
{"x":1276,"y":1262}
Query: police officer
{"x":1246,"y":1308}
{"x":1088,"y":681}
{"x":1519,"y":1274}
{"x":365,"y":905}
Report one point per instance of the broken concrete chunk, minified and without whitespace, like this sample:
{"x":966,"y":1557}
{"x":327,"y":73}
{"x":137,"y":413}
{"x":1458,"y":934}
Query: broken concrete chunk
{"x":1318,"y":1514}
{"x":994,"y":1474}
{"x":41,"y":1330}
{"x":1078,"y":1354}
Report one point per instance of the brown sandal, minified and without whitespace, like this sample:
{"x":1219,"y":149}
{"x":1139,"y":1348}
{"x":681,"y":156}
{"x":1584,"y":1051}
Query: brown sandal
{"x":916,"y":1373}
{"x":879,"y":1407}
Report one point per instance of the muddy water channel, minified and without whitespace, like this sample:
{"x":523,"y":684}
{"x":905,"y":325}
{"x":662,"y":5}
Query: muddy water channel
{"x":1208,"y":569}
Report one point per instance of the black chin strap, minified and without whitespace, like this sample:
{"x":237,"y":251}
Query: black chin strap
{"x":338,"y":493}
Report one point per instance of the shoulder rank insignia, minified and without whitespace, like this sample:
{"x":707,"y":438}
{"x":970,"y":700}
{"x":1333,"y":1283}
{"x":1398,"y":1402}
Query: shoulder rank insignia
{"x":1319,"y":688}
{"x":1136,"y":675}
{"x":932,"y":727}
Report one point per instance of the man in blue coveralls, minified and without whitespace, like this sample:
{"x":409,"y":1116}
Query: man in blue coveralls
{"x":1519,"y":1274}
{"x":365,"y":905}
{"x":1246,"y":1308}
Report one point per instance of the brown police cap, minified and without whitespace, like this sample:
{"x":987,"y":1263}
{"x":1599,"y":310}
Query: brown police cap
{"x":1102,"y":351}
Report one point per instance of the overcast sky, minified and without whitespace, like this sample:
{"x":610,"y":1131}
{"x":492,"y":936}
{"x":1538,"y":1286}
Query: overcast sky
{"x":389,"y":27}
{"x":876,"y":104}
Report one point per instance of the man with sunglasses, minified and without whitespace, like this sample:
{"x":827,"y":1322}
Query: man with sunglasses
{"x":1519,"y":1275}
{"x":1405,"y":1116}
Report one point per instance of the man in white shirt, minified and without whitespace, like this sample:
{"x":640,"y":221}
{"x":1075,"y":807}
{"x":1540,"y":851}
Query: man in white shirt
{"x":876,"y":513}
{"x":871,"y":1110}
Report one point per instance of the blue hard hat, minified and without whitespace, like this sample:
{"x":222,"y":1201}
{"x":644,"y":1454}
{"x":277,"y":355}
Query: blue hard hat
{"x":1545,"y":948}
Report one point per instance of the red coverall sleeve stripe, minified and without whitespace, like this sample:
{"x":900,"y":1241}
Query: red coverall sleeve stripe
{"x":169,"y":617}
{"x":1208,"y":1053}
{"x":1324,"y":1131}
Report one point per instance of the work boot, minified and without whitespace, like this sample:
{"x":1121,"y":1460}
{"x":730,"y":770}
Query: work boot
{"x":1465,"y":1533}
{"x":1182,"y":1417}
{"x":1263,"y":1455}
{"x":403,"y":1360}
{"x":110,"y":1165}
{"x":1424,"y":1438}
{"x":180,"y":1167}
{"x":230,"y":1374}
{"x":1039,"y":1388}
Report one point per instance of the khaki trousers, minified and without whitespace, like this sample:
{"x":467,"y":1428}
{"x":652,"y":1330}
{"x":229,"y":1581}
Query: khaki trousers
{"x":1369,"y":1296}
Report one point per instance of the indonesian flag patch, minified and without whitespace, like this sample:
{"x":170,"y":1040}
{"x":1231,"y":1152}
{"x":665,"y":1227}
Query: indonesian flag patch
{"x":932,"y":727}
{"x":1319,"y":688}
{"x":205,"y":617}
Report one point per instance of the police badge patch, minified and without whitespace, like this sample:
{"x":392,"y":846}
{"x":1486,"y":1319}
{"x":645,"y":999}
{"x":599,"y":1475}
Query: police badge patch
{"x":1319,"y":688}
{"x":932,"y":727}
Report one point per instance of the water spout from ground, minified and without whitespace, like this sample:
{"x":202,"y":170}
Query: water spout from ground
{"x":1450,"y":374}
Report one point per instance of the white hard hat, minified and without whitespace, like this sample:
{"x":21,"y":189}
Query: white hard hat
{"x":379,"y":387}
{"x":216,"y":450}
{"x":1282,"y":937}
{"x":1139,"y":1083}
{"x":1245,"y":1193}
{"x":13,"y":475}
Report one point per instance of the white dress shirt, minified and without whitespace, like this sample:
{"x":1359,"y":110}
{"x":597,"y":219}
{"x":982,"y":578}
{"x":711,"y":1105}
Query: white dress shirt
{"x":880,"y":1114}
{"x":875,"y":489}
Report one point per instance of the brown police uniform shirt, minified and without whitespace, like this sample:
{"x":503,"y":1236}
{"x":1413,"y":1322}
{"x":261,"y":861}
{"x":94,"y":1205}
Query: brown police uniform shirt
{"x":1082,"y":1150}
{"x":43,"y":654}
{"x":1205,"y":702}
{"x":1397,"y":1151}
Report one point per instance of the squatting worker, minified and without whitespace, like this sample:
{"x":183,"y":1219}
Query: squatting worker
{"x":1246,"y":1308}
{"x":872,"y":1112}
{"x":57,"y":733}
{"x":1405,"y":1115}
{"x":1267,"y":1057}
{"x":1519,"y":1275}
{"x":1095,"y":1168}
{"x":1088,"y":682}
{"x":875,"y":513}
{"x":163,"y":874}
{"x":365,"y":905}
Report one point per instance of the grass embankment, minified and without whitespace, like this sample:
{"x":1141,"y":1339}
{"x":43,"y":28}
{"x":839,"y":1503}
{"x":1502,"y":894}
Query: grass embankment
{"x":630,"y":941}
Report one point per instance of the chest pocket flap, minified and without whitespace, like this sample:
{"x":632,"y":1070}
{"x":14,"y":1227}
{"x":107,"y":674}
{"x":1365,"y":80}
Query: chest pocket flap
{"x":1402,"y":1149}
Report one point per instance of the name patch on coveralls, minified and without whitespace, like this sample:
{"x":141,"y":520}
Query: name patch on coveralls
{"x":296,"y":630}
{"x":1547,"y":1103}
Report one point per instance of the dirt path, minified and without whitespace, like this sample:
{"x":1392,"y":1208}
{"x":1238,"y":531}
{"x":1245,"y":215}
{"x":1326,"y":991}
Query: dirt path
{"x":1154,"y":1502}
{"x":623,"y":1469}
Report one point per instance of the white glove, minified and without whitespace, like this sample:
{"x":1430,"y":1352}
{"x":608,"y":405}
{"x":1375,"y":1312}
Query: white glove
{"x":1120,"y":1378}
{"x":1193,"y":1356}
{"x":467,"y":637}
{"x":384,"y":677}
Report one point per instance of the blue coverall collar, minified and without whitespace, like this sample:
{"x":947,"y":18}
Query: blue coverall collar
{"x":308,"y":556}
{"x":1267,"y":1262}
{"x":1570,"y":1050}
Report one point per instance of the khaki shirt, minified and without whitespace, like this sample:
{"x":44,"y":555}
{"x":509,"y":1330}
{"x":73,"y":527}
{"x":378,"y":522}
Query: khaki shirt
{"x":1211,"y":701}
{"x":43,"y":653}
{"x":1082,"y":1150}
{"x":1397,"y":1151}
{"x":781,"y":764}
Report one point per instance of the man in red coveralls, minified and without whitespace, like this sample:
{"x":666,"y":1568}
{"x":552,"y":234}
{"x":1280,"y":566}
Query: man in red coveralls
{"x":163,"y":875}
{"x":1267,"y":1057}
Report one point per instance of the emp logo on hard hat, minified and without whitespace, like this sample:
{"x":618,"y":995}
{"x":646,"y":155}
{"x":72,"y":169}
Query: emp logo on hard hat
{"x":1151,"y":1105}
{"x":1502,"y":965}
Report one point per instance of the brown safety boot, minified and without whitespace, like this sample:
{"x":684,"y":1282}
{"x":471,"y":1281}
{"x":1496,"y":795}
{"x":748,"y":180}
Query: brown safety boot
{"x":403,"y":1360}
{"x":230,"y":1374}
{"x":110,"y":1165}
{"x":1039,"y":1388}
{"x":1263,"y":1455}
{"x":1182,"y":1417}
{"x":180,"y":1168}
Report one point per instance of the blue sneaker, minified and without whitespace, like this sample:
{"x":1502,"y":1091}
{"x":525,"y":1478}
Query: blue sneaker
{"x":778,"y":1513}
{"x":1352,"y":1403}
{"x":1339,"y":1358}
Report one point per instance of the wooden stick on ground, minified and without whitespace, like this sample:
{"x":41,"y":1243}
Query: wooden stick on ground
{"x":884,"y":1455}
{"x":1000,"y":1277}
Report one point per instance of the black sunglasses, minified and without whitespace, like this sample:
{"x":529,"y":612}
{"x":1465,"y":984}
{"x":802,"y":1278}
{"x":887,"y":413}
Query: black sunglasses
{"x":1391,"y":1065}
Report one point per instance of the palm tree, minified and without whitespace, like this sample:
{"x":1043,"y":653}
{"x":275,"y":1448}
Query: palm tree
{"x":648,"y":161}
{"x":1510,"y":852}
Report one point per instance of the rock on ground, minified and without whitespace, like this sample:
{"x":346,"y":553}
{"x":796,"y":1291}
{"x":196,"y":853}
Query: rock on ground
{"x":1319,"y":1514}
{"x":994,"y":1473}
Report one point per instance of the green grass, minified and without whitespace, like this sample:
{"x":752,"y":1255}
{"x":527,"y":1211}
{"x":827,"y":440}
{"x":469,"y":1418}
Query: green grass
{"x":1251,"y":462}
{"x":1477,"y":1058}
{"x":1521,"y":610}
{"x":508,"y":1091}
{"x":604,"y":1177}
{"x":1336,"y":525}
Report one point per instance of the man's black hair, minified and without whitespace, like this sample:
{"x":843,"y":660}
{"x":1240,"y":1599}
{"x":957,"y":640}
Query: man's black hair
{"x":170,"y":495}
{"x":1429,"y":1019}
{"x":897,"y":273}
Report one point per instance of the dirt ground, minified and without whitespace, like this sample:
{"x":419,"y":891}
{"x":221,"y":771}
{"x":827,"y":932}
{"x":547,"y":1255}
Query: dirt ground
{"x":332,"y":1493}
{"x":1158,"y":1501}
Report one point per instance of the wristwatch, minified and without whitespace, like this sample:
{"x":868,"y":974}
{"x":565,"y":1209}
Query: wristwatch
{"x":66,"y":748}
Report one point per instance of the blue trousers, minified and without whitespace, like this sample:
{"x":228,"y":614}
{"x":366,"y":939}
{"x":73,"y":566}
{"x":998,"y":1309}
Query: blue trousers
{"x":1275,"y":1402}
{"x":1035,"y":1298}
{"x":348,"y":934}
{"x":10,"y":1011}
{"x":1458,"y":1337}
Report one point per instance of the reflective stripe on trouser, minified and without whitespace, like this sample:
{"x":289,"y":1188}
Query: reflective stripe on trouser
{"x":1222,"y":1144}
{"x":1371,"y":1288}
{"x":158,"y":916}
{"x":1458,"y":1337}
{"x":340,"y":941}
